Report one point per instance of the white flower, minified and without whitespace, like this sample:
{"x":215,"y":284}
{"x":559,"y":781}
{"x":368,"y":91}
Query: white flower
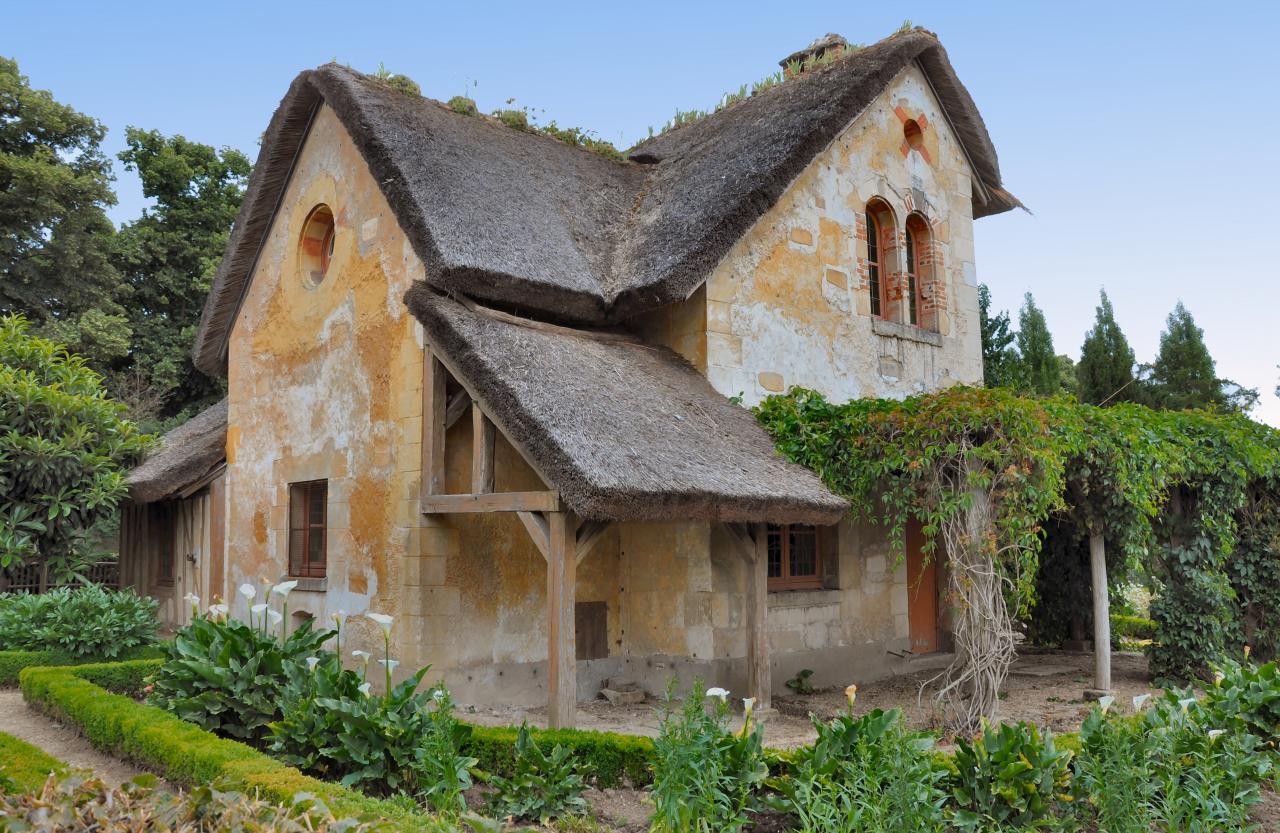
{"x":1105,"y":702}
{"x":259,"y":607}
{"x":390,"y":664}
{"x":1186,"y":703}
{"x":851,"y":693}
{"x":275,"y":616}
{"x":312,"y":662}
{"x":382,"y":619}
{"x":340,"y":617}
{"x":283,"y":588}
{"x":364,"y":688}
{"x":362,"y":655}
{"x":1214,"y":734}
{"x":747,"y":703}
{"x":718,"y":692}
{"x":438,"y":695}
{"x":1218,"y":677}
{"x":1139,"y":700}
{"x":192,"y":599}
{"x":248,"y":591}
{"x":219,"y":610}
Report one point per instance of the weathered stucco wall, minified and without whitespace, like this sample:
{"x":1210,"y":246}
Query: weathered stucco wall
{"x":789,"y":305}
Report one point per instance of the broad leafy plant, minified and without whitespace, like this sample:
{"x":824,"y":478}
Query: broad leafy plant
{"x":1009,"y":777}
{"x":543,"y":785}
{"x":89,"y":621}
{"x":1246,"y":698}
{"x":864,"y":774}
{"x":705,"y":775}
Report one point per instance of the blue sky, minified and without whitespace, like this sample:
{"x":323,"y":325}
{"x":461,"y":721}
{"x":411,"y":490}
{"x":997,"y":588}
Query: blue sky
{"x":1142,"y":135}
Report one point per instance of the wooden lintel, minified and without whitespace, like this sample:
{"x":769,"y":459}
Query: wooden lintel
{"x":496,"y":502}
{"x":434,"y":379}
{"x":539,"y":530}
{"x":743,"y":543}
{"x":482,"y":437}
{"x":589,"y":534}
{"x":457,"y":407}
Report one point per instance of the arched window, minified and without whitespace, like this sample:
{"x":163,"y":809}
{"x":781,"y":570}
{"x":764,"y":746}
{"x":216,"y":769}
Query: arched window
{"x":315,"y":248}
{"x":880,"y":232}
{"x":918,"y":270}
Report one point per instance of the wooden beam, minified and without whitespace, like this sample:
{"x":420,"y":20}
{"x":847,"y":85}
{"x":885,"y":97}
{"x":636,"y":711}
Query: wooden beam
{"x":457,"y":407}
{"x":496,"y":502}
{"x":759,"y":677}
{"x":1101,"y":616}
{"x":562,"y":672}
{"x":482,"y":435}
{"x":539,"y":530}
{"x":589,"y":534}
{"x":743,"y":543}
{"x":434,"y":378}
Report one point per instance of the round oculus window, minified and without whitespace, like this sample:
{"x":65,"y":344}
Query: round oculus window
{"x":315,"y":248}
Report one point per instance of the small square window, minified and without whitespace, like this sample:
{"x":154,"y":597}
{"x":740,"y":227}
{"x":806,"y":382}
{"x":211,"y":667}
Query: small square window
{"x":795,"y":557}
{"x":308,"y":534}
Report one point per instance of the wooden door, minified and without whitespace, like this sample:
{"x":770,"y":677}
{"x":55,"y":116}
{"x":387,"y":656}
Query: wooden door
{"x":922,"y":593}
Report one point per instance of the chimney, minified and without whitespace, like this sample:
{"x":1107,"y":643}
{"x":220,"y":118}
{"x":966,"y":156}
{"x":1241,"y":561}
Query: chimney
{"x":830,"y":47}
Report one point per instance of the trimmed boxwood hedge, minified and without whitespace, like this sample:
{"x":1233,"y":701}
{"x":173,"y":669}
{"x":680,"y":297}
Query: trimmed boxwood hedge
{"x":11,"y":662}
{"x":184,"y":753}
{"x":27,"y":766}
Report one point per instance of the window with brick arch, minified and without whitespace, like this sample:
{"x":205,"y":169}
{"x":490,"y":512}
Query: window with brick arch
{"x":880,"y":228}
{"x":308,"y":528}
{"x":795,"y":557}
{"x":919,"y":272}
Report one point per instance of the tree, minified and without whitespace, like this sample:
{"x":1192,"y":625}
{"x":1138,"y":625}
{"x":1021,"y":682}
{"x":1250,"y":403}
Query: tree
{"x":55,"y":237}
{"x":1039,"y":369}
{"x":64,"y":447}
{"x":1068,"y":383}
{"x":169,"y":254}
{"x":1183,"y":374}
{"x":1106,"y":364}
{"x":999,"y":360}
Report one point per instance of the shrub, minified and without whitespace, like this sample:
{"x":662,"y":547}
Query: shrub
{"x":865,"y":775}
{"x":89,"y":621}
{"x":463,"y":105}
{"x":12,"y":662}
{"x":1113,"y":773}
{"x":23,"y":767}
{"x":705,"y":776}
{"x":515,"y":119}
{"x":606,"y":760}
{"x":1008,"y":777}
{"x":228,"y":677}
{"x":1246,"y":698}
{"x":77,"y":803}
{"x":544,"y":786}
{"x":1132,"y":627}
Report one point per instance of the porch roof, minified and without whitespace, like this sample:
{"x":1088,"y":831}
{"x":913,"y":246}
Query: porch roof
{"x":187,"y":455}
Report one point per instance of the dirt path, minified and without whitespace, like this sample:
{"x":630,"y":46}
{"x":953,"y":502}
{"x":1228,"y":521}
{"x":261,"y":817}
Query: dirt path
{"x":21,"y":721}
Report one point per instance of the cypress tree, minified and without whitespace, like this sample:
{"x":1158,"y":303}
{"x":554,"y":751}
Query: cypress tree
{"x":999,"y":360}
{"x":1183,"y":375}
{"x":1106,"y":364}
{"x":1040,"y":371}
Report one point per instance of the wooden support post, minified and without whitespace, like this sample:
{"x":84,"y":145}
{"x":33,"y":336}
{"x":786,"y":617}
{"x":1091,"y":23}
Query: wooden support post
{"x":1101,"y":616}
{"x":759,"y":677}
{"x":434,"y":377}
{"x":589,"y":534}
{"x":562,"y":673}
{"x":482,"y":435}
{"x":539,"y":530}
{"x":458,"y":404}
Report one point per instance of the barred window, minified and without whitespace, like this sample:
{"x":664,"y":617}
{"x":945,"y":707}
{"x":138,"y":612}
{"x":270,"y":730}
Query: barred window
{"x":308,"y":520}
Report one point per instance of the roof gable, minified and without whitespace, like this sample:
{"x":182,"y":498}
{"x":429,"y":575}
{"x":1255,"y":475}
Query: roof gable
{"x":532,"y":224}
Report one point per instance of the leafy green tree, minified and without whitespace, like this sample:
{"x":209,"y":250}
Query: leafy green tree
{"x":1040,"y":372}
{"x":1183,"y":374}
{"x":169,"y":254}
{"x":1106,"y":364}
{"x":55,"y":237}
{"x":64,"y":447}
{"x":999,"y":359}
{"x":1068,"y":383}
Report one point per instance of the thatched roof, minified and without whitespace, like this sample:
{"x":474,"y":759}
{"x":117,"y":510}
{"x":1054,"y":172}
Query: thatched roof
{"x":624,"y":430}
{"x":529,"y":223}
{"x":187,"y":455}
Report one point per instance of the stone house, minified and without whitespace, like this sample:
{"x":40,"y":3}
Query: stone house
{"x":492,"y":384}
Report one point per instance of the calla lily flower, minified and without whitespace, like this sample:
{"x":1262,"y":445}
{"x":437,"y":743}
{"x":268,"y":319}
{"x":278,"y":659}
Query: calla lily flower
{"x":340,"y":617}
{"x":219,"y":611}
{"x":362,"y":655}
{"x":364,"y":688}
{"x":284,"y":588}
{"x":382,"y":619}
{"x":438,"y":695}
{"x":1139,"y":701}
{"x":390,"y":664}
{"x":722,"y":693}
{"x":851,"y":693}
{"x":275,"y":616}
{"x":1105,"y":702}
{"x":1214,"y":734}
{"x":312,"y":662}
{"x":1186,"y":703}
{"x":747,"y":703}
{"x":191,"y":598}
{"x":259,"y":607}
{"x":248,"y":591}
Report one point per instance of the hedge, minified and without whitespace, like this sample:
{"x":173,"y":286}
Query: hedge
{"x":186,"y":754}
{"x":11,"y":662}
{"x":1132,"y":627}
{"x":27,"y":766}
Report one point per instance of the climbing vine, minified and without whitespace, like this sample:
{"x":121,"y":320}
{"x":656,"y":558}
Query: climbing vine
{"x":984,"y":471}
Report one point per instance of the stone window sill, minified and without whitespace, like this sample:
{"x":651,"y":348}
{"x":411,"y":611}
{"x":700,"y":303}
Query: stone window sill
{"x":906,"y":332}
{"x":803,"y":598}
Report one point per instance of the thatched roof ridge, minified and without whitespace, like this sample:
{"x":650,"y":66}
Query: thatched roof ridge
{"x":186,"y":455}
{"x":624,"y":430}
{"x":526,"y":222}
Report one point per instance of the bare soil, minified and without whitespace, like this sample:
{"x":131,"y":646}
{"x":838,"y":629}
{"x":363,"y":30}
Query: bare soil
{"x":1267,"y":814}
{"x":22,"y":721}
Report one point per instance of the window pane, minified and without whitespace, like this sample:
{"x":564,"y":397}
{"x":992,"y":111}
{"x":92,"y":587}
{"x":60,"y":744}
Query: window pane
{"x":873,"y":263}
{"x":804,"y":551}
{"x":295,"y":551}
{"x":297,"y":506}
{"x":316,"y":494}
{"x":775,"y":552}
{"x":315,"y":548}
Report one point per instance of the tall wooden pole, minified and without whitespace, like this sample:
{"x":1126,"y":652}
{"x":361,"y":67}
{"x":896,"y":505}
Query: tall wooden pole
{"x":759,"y":678}
{"x":1101,"y":614}
{"x":562,"y":672}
